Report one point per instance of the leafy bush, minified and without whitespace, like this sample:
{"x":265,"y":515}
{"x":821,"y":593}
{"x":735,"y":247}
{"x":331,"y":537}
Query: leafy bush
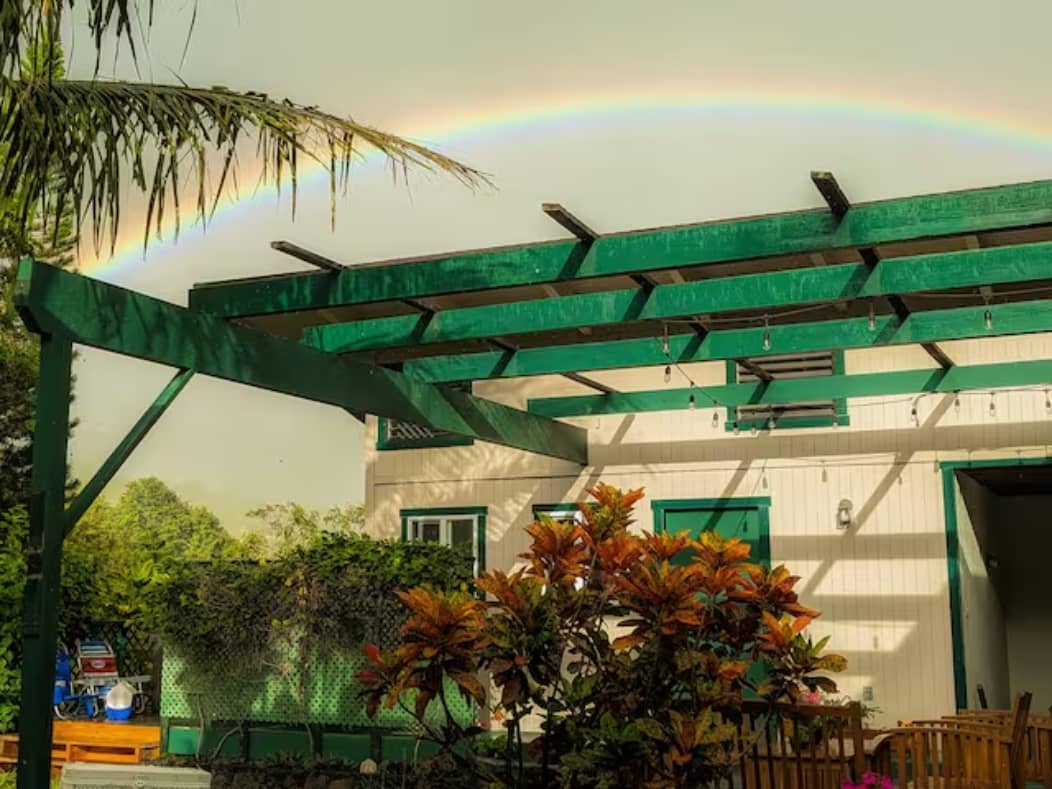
{"x":13,"y":529}
{"x":235,"y":615}
{"x":696,"y":628}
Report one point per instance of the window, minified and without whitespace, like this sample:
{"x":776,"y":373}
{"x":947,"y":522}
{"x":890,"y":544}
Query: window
{"x":559,"y":512}
{"x":396,"y":434}
{"x":458,"y":528}
{"x":812,"y":413}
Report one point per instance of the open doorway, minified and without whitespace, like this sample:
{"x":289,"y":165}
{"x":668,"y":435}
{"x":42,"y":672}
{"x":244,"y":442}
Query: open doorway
{"x":999,"y":536}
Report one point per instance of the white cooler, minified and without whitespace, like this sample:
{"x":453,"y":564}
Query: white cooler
{"x":76,"y":775}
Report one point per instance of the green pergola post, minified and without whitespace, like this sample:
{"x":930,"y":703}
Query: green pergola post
{"x":47,"y":521}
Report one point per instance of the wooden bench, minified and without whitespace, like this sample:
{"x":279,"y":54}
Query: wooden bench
{"x":87,"y":741}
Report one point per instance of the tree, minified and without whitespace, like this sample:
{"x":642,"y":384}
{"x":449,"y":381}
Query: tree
{"x":77,"y":143}
{"x":291,"y":525}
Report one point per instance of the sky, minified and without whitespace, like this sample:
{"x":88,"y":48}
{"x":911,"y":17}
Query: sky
{"x":630,"y":114}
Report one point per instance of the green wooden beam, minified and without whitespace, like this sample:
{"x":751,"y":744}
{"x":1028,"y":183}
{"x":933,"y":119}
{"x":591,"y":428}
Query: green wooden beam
{"x":87,"y":495}
{"x":43,"y":590}
{"x":865,"y":225}
{"x":919,"y":327}
{"x":900,"y":382}
{"x":706,"y":297}
{"x":113,"y":319}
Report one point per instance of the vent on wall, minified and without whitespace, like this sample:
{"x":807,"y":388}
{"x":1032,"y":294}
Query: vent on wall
{"x":810,"y":413}
{"x":396,"y":434}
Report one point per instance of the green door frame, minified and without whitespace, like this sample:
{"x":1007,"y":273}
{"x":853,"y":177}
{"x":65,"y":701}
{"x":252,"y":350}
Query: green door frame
{"x":953,"y":558}
{"x":761,"y":504}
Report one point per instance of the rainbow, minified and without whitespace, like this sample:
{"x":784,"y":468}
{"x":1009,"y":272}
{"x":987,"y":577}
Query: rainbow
{"x":548,"y":115}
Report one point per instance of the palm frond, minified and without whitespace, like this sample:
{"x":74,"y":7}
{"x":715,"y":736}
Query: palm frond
{"x":31,"y":19}
{"x":96,"y":136}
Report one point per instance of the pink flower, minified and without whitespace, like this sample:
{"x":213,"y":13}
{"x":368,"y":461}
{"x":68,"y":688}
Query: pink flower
{"x":868,"y":780}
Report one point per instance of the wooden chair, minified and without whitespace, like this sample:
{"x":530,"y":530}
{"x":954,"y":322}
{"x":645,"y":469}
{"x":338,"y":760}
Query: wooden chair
{"x":1039,"y":751}
{"x":801,"y":746}
{"x":960,"y":751}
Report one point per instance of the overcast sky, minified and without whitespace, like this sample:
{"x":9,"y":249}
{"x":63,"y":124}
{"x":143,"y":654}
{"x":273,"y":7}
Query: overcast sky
{"x":632,"y":114}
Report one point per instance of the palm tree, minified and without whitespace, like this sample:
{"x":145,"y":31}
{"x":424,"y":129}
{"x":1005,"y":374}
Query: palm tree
{"x":67,"y":142}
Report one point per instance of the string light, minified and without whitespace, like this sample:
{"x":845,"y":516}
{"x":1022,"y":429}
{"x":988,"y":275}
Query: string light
{"x":914,"y":416}
{"x":836,"y":421}
{"x":872,"y":318}
{"x":736,"y":428}
{"x":993,"y":404}
{"x":770,"y":423}
{"x":668,"y":373}
{"x":753,"y":430}
{"x":664,"y":340}
{"x":691,"y":402}
{"x":957,"y":402}
{"x":766,"y":334}
{"x":715,"y":419}
{"x":988,"y":319}
{"x":1048,"y":403}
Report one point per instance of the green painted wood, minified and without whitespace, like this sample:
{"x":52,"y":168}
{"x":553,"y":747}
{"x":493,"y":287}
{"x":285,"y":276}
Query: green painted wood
{"x":865,"y":225}
{"x":124,"y":449}
{"x":957,"y":379}
{"x":919,"y":327}
{"x":707,"y":297}
{"x":43,"y":591}
{"x":111,"y":318}
{"x":953,"y":560}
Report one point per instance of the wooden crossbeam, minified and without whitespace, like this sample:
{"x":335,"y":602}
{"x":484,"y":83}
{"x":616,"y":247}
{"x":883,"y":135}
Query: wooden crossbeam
{"x":306,"y":255}
{"x":769,"y":291}
{"x":865,"y":225}
{"x":576,"y":227}
{"x":839,"y":206}
{"x":899,"y":382}
{"x":90,"y":312}
{"x":847,"y":333}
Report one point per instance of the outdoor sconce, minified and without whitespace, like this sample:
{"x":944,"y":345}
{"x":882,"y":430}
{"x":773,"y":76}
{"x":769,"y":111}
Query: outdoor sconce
{"x":843,"y":514}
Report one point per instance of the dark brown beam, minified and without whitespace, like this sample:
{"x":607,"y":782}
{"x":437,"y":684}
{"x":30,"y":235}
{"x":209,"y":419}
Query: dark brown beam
{"x":569,"y":221}
{"x":313,"y":258}
{"x":831,"y":192}
{"x":839,"y":205}
{"x":590,"y":382}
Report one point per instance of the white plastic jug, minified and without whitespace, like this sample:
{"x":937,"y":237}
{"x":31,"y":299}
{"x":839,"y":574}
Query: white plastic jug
{"x":119,"y":701}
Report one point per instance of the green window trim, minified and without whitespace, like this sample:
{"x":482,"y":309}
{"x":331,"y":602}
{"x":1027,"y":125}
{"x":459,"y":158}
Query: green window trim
{"x":953,"y":559}
{"x":839,"y":403}
{"x":761,"y":504}
{"x":545,"y":509}
{"x":479,"y":513}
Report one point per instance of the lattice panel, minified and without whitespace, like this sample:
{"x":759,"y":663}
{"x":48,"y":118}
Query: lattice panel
{"x":298,"y":690}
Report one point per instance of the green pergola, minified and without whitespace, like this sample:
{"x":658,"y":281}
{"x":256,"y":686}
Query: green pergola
{"x":390,"y":338}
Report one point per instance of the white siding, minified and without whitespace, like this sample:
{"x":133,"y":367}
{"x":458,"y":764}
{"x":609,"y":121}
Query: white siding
{"x":882,"y":586}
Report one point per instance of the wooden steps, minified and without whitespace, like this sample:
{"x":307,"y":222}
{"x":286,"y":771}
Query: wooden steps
{"x":89,"y":741}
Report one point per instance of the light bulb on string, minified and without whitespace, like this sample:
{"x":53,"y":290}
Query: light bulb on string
{"x":736,"y":428}
{"x":957,"y":402}
{"x":664,"y":340}
{"x":914,"y":416}
{"x":836,"y":421}
{"x":993,"y":405}
{"x":715,"y":419}
{"x":770,"y":423}
{"x":988,"y":319}
{"x":766,"y":334}
{"x":668,"y":373}
{"x":1048,"y":403}
{"x":692,"y":403}
{"x":753,"y":430}
{"x":872,"y":318}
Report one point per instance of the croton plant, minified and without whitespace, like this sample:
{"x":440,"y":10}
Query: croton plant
{"x":632,"y":653}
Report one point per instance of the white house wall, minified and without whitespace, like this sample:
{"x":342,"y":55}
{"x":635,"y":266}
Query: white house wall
{"x":882,"y":586}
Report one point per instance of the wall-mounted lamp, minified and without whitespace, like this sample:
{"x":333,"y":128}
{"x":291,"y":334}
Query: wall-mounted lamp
{"x":843,"y":514}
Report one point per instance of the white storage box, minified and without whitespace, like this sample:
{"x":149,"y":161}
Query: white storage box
{"x":132,"y":776}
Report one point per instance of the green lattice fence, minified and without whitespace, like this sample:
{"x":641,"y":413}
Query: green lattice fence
{"x":301,"y":688}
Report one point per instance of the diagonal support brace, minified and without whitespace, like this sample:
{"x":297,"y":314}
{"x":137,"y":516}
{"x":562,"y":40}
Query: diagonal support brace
{"x":87,"y":495}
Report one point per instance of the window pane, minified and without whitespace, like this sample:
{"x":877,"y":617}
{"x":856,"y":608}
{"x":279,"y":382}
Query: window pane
{"x":462,"y":533}
{"x":428,"y":531}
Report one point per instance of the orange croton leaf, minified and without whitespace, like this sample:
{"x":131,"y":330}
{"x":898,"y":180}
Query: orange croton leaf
{"x":619,"y":553}
{"x":718,"y":551}
{"x":558,"y":553}
{"x":662,"y":547}
{"x":611,"y":513}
